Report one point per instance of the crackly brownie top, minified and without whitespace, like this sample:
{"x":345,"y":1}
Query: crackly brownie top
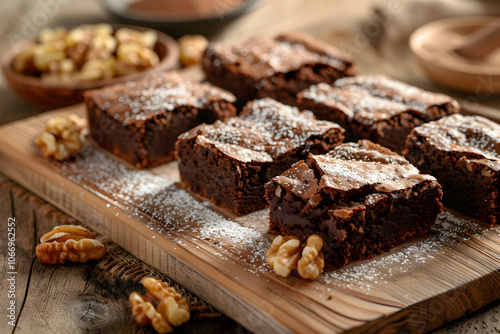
{"x":135,"y":101}
{"x":373,"y":98}
{"x":263,"y":57}
{"x":472,"y":136}
{"x":351,"y":172}
{"x":264,"y":130}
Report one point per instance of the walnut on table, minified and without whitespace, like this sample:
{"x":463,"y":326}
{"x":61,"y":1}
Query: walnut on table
{"x":191,"y":49}
{"x":69,"y":243}
{"x":286,"y":254}
{"x":61,"y":138}
{"x":162,"y":307}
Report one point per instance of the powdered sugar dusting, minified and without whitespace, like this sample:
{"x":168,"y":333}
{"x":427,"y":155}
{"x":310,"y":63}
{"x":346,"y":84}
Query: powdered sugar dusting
{"x":382,"y":86}
{"x":155,"y":196}
{"x":358,"y":103}
{"x":113,"y":177}
{"x":372,"y":98}
{"x":351,"y":166}
{"x":263,"y":57}
{"x":475,"y":136}
{"x":160,"y":202}
{"x":405,"y":259}
{"x":267,"y":126}
{"x":158,"y":94}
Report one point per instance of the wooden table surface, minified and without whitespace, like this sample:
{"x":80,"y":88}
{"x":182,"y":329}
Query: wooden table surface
{"x":93,"y":297}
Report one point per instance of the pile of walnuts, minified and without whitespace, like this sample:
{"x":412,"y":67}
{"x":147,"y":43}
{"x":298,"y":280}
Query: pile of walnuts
{"x":87,"y":53}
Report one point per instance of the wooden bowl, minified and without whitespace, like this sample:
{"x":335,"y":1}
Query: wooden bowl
{"x":50,"y":96}
{"x":451,"y":70}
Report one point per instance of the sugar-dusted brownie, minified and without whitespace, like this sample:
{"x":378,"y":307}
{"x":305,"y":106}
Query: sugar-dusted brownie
{"x":361,"y":198}
{"x":229,"y":162}
{"x":376,"y":107}
{"x":278,"y":68}
{"x":463,"y":153}
{"x":140,"y":121}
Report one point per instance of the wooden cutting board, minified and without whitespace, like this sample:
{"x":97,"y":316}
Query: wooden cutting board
{"x":416,"y":287}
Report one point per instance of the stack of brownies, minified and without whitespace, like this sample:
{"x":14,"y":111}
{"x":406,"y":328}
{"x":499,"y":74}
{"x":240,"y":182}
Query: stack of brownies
{"x":284,"y":149}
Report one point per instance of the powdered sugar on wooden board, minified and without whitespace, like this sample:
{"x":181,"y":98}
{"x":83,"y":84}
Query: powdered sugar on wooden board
{"x":404,"y":260}
{"x":174,"y":209}
{"x":160,"y":202}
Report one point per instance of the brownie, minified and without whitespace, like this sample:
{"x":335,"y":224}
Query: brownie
{"x":376,"y":107}
{"x":229,"y":162}
{"x":278,"y":68}
{"x":463,"y":153}
{"x":361,"y":198}
{"x":140,"y":121}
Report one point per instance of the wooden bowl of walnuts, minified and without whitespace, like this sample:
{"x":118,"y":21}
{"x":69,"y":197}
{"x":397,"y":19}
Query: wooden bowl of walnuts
{"x":54,"y":70}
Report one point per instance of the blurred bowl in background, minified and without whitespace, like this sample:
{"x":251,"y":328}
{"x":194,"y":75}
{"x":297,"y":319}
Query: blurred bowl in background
{"x":175,"y":25}
{"x":52,"y":96}
{"x":433,"y":45}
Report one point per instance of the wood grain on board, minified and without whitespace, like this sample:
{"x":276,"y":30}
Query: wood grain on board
{"x":417,"y":286}
{"x":90,"y":297}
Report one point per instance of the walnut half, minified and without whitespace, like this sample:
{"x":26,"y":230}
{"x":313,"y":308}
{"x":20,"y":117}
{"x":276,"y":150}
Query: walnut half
{"x":192,"y":48}
{"x":312,"y":262}
{"x":61,"y":138}
{"x":69,"y":243}
{"x":162,"y":307}
{"x":286,"y":254}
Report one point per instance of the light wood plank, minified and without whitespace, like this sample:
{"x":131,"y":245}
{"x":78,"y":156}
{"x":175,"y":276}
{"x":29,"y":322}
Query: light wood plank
{"x":400,"y":289}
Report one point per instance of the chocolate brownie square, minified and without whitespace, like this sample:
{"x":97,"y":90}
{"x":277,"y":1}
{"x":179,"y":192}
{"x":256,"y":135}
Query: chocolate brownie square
{"x":376,"y":107}
{"x":361,"y":198}
{"x":140,"y":121}
{"x":463,"y":153}
{"x":229,"y":162}
{"x":278,"y":68}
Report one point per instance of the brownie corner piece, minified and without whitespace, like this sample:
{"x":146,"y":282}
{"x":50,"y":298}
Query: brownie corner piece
{"x":229,"y":161}
{"x":463,"y":153}
{"x":139,"y":121}
{"x":376,"y":107}
{"x":278,"y":68}
{"x":361,"y":198}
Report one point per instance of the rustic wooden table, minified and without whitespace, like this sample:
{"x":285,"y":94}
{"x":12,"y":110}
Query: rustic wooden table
{"x":93,"y":297}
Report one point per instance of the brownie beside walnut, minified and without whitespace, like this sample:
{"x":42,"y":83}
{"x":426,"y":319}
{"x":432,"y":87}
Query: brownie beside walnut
{"x":463,"y":153}
{"x":376,"y":107}
{"x":277,"y":68}
{"x":361,"y":198}
{"x":229,"y":162}
{"x":140,"y":121}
